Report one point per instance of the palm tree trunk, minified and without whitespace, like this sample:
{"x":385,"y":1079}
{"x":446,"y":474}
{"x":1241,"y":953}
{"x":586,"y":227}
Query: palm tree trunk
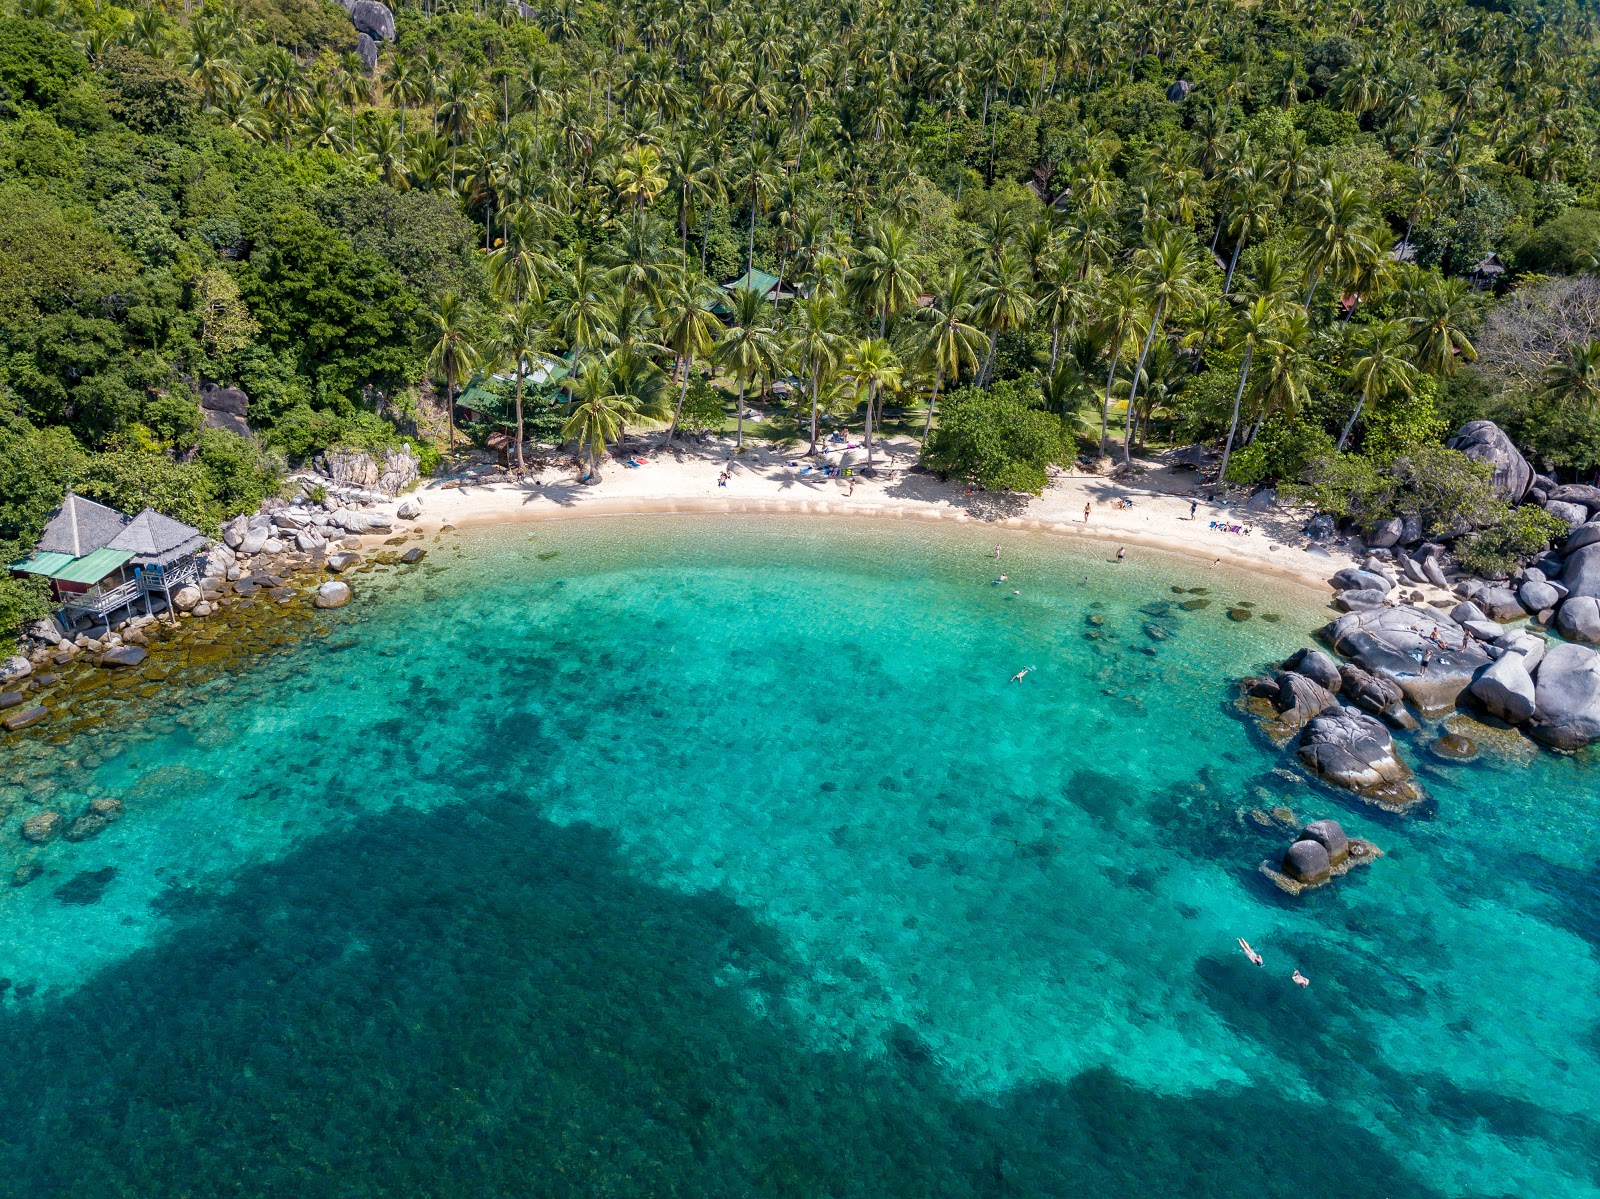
{"x":1233,"y":427}
{"x":816,"y":388}
{"x":1345,"y":436}
{"x":1316,"y":281}
{"x":1105,"y":405}
{"x":521,"y":464}
{"x":988,"y":359}
{"x":1227,"y":283}
{"x":450,"y":408}
{"x":687,"y":365}
{"x":927,"y":425}
{"x":739,"y":416}
{"x":750,"y":262}
{"x":870,"y":396}
{"x":1133,"y":384}
{"x":1055,"y":344}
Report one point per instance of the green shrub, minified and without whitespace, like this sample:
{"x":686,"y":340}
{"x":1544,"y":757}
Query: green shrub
{"x":996,"y":441}
{"x":1525,"y":533}
{"x":1559,"y":246}
{"x":1447,"y":491}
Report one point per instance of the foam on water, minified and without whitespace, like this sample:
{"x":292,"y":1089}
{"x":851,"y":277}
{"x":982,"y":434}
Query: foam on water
{"x":781,"y":758}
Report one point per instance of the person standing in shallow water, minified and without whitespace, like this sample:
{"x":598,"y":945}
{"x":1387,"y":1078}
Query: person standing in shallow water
{"x":1122,"y":552}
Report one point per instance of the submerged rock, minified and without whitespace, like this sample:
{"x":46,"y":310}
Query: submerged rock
{"x":1455,"y":747}
{"x":1353,"y":750}
{"x":43,"y":827}
{"x":25,"y":719}
{"x":123,"y":656}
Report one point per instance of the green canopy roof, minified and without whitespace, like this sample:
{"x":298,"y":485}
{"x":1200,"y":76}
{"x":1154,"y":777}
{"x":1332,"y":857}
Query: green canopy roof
{"x":91,"y":568}
{"x":43,"y":563}
{"x":757,"y":281}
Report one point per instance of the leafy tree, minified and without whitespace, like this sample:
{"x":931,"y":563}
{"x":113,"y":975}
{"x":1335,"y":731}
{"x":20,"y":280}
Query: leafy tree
{"x":995,"y":440}
{"x":38,"y":66}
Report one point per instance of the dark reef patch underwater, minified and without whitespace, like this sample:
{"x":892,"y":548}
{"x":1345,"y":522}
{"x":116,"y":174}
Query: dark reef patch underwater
{"x":699,"y":857}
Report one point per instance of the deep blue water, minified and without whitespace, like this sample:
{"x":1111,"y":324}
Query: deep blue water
{"x":717,"y":857}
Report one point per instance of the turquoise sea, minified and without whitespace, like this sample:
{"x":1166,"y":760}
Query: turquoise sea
{"x":716,"y":856}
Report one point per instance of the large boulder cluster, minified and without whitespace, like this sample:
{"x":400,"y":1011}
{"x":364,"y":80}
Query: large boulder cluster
{"x":1320,"y":853}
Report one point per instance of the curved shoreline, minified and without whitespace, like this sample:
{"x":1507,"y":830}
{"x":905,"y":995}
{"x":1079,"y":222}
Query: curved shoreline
{"x":1158,"y":520}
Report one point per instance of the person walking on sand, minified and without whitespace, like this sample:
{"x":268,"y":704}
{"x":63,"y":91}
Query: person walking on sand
{"x":1249,"y":952}
{"x":1086,"y":514}
{"x":1194,"y":506}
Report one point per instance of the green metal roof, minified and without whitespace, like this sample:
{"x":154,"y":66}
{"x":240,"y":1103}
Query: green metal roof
{"x":44,"y":563}
{"x":757,"y":281}
{"x":91,"y":568}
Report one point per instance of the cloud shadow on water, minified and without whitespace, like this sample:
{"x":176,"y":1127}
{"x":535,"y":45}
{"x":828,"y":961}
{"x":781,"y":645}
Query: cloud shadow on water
{"x":474,"y":1001}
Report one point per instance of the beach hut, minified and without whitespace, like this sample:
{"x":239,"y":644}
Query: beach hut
{"x":1487,"y":273}
{"x":768,"y":287}
{"x":488,"y":399}
{"x":99,"y":560}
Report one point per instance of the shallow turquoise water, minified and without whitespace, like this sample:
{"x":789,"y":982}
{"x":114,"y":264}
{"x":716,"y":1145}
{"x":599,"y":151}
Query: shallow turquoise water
{"x":711,"y":856}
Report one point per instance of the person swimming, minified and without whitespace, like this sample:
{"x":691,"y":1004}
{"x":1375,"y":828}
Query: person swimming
{"x":1021,"y":674}
{"x":1300,"y":980}
{"x":1249,"y":952}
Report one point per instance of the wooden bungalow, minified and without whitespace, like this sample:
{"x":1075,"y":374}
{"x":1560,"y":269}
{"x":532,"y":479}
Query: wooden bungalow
{"x":1487,"y":273}
{"x":99,"y":560}
{"x":488,"y":399}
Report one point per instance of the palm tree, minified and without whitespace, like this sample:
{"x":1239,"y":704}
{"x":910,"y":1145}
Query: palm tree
{"x":689,"y":329}
{"x":639,"y":178}
{"x":1121,"y":307}
{"x":1339,"y":234}
{"x":1436,"y":328}
{"x":872,"y":368}
{"x":761,"y":175}
{"x":523,"y":331}
{"x":1384,"y":367}
{"x":453,"y":353}
{"x":280,"y":88}
{"x":1252,"y":325}
{"x":1283,"y":378}
{"x":587,"y":319}
{"x":817,"y":345}
{"x":1167,"y":281}
{"x":1575,"y":379}
{"x":1002,"y":302}
{"x":950,"y":338}
{"x":749,"y":350}
{"x":598,"y":416}
{"x":884,"y":281}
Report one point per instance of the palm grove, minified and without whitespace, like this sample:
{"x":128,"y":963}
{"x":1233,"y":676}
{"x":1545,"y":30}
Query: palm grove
{"x":1044,"y":228}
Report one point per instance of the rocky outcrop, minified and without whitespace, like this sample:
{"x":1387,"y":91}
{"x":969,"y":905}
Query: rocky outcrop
{"x":1499,"y":603}
{"x":225,"y":408}
{"x":1355,"y":579}
{"x":1307,"y":862}
{"x":373,"y":19}
{"x":1578,"y":493}
{"x":1566,"y":712}
{"x":1538,"y":596}
{"x":368,"y":50}
{"x":360,"y":470}
{"x":1505,"y":689}
{"x":1484,"y":441}
{"x":1316,"y":666}
{"x":1585,"y":534}
{"x":1299,"y":699}
{"x":333,"y":594}
{"x":1365,"y":600}
{"x":1331,"y":836}
{"x":1578,"y":619}
{"x":1426,"y":653}
{"x":1375,"y":695}
{"x":1581,"y":573}
{"x":1386,"y":533}
{"x":1574,"y":514}
{"x":1353,"y":750}
{"x":14,"y":669}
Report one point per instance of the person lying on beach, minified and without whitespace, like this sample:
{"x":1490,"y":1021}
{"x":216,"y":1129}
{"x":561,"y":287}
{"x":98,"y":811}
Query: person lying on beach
{"x":1248,"y":952}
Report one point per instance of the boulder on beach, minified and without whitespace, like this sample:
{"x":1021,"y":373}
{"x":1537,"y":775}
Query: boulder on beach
{"x":1386,"y":533}
{"x":1530,"y":646}
{"x":1585,"y":534}
{"x":122,"y":657}
{"x":1484,"y":441}
{"x":1353,"y":578}
{"x":1578,"y":618}
{"x":1536,"y":596}
{"x":1566,"y":697}
{"x":1363,"y":600}
{"x":1307,"y":862}
{"x":1316,"y":666}
{"x":410,"y":508}
{"x":340,"y":563}
{"x":14,"y":669}
{"x":1429,"y":655}
{"x":1581,"y":574}
{"x":1299,"y":699}
{"x":1574,"y":514}
{"x":1499,"y":603}
{"x":1353,"y":750}
{"x":1505,"y":689}
{"x":186,"y":598}
{"x":1465,"y":611}
{"x":1578,"y":493}
{"x":333,"y":594}
{"x":1375,"y":695}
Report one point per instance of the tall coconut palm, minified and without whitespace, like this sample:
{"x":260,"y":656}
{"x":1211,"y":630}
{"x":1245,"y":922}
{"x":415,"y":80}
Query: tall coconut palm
{"x":1166,"y":274}
{"x":1436,"y":328}
{"x":760,"y":172}
{"x":872,"y":368}
{"x":1252,"y":325}
{"x":950,"y":339}
{"x":884,"y":279}
{"x":1339,"y":233}
{"x":453,"y":353}
{"x":1121,"y":307}
{"x":1002,"y":302}
{"x":587,"y":320}
{"x":522,"y":332}
{"x":749,"y":351}
{"x":599,"y":414}
{"x":816,"y":345}
{"x":689,"y":329}
{"x":1383,"y":367}
{"x":280,"y":88}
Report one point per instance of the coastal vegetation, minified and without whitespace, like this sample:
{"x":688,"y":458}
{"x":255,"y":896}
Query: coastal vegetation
{"x":1318,"y":238}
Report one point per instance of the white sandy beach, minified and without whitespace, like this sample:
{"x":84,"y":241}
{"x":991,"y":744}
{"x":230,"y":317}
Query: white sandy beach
{"x":685,"y":479}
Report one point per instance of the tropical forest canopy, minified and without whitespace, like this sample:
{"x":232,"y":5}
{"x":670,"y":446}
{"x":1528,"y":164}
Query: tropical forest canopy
{"x":1292,"y":230}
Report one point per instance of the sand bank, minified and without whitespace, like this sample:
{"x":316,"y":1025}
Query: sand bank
{"x":686,"y":480}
